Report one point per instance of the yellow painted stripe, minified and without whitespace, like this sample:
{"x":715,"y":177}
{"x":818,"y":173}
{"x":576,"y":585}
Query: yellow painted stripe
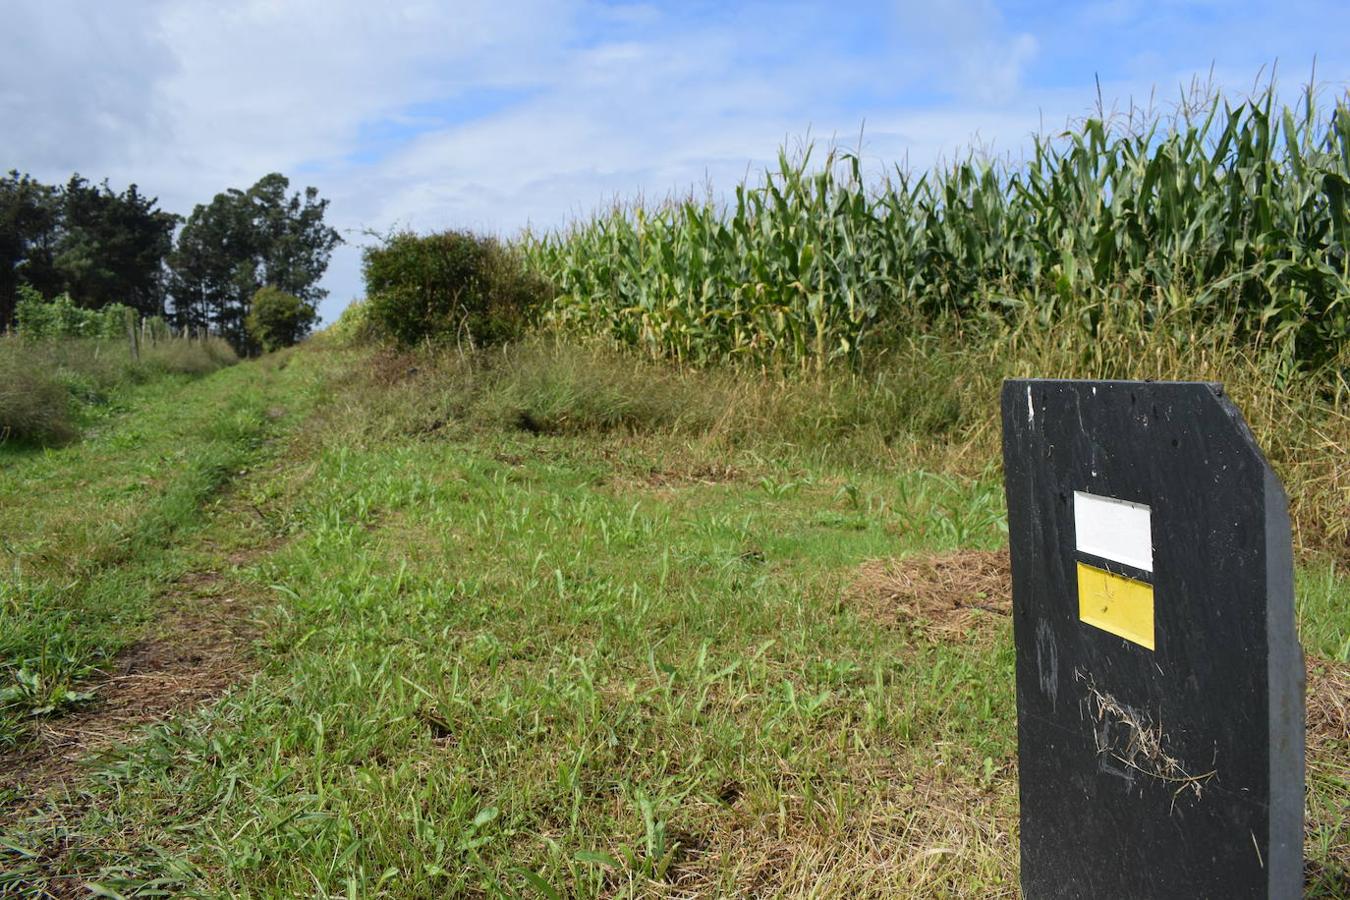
{"x":1114,"y":603}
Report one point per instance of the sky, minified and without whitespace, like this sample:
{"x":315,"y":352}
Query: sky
{"x":496,"y":115}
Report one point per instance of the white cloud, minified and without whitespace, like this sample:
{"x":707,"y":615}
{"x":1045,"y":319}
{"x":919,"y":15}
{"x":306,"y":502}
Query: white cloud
{"x":267,"y":86}
{"x":966,"y":47}
{"x":76,"y":85}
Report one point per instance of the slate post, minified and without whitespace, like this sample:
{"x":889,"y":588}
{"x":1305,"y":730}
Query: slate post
{"x":1160,"y":680}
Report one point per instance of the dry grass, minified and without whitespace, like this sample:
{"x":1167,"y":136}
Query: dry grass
{"x":966,"y":594}
{"x":921,"y":835}
{"x":962,"y":595}
{"x":1133,"y":739}
{"x":1328,"y":749}
{"x":199,"y":650}
{"x":1328,"y":696}
{"x":1301,"y":419}
{"x":198,"y":653}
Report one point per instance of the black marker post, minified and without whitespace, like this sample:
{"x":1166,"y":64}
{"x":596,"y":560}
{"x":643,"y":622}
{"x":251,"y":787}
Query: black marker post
{"x":1159,"y":676}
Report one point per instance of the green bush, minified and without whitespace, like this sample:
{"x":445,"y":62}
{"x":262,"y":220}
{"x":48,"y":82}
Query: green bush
{"x":453,"y":287}
{"x":277,"y":319}
{"x":61,"y":318}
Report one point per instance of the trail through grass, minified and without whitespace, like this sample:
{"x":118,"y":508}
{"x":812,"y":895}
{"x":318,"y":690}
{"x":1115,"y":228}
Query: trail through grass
{"x":90,"y":530}
{"x":498,"y":663}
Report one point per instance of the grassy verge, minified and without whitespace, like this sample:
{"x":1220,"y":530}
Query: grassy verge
{"x":931,"y":402}
{"x":603,"y":649}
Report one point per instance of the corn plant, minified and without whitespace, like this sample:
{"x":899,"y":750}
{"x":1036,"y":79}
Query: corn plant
{"x":1217,"y":213}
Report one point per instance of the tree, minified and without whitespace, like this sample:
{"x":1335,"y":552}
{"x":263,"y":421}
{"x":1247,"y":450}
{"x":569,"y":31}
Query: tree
{"x":202,"y":279}
{"x":98,"y":246}
{"x":242,"y":241}
{"x":112,"y":247}
{"x":29,"y":212}
{"x":277,"y":319}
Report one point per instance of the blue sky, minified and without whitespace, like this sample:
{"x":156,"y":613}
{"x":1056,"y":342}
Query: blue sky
{"x":495,"y":115}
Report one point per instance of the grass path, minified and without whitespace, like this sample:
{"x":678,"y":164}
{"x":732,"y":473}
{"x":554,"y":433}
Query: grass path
{"x":489,"y":663}
{"x":118,"y":603}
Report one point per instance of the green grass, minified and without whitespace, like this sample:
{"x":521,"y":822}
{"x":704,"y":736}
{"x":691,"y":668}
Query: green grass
{"x":930,"y":404}
{"x":610,"y":661}
{"x":1324,"y":621}
{"x":86,"y":529}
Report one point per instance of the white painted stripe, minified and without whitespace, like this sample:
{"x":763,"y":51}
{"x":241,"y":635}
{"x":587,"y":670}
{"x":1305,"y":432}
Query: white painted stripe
{"x":1113,"y":529}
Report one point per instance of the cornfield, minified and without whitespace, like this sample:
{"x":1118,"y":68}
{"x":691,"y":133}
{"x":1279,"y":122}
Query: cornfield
{"x":1217,"y":212}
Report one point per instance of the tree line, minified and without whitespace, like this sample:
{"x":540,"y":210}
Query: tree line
{"x":101,"y":247}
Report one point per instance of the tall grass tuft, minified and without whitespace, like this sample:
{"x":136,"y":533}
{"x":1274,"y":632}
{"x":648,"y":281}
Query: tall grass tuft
{"x":184,"y":357}
{"x":35,"y":406}
{"x":548,"y":388}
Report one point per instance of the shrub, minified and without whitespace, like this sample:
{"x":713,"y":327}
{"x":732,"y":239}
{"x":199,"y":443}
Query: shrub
{"x":277,"y":319}
{"x":61,"y":318}
{"x":452,"y":287}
